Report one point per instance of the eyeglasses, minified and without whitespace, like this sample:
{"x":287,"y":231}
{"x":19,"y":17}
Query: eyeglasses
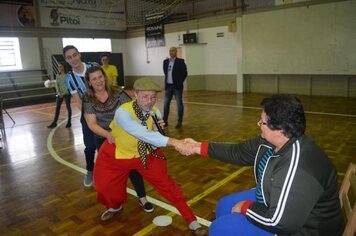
{"x":261,"y":122}
{"x":149,"y":98}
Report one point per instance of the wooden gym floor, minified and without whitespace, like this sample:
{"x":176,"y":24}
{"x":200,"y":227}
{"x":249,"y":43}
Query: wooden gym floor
{"x":42,"y":170}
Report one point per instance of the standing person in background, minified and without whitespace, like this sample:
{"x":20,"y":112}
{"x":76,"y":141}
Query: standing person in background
{"x":296,"y":183}
{"x":62,"y":94}
{"x":76,"y":86}
{"x":175,"y":72}
{"x":110,"y":70}
{"x":100,"y":103}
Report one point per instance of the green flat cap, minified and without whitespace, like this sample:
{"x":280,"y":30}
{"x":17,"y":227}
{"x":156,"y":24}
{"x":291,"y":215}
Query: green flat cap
{"x":146,"y":84}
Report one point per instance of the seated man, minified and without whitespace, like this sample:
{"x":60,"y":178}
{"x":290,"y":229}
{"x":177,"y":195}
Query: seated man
{"x":136,"y":141}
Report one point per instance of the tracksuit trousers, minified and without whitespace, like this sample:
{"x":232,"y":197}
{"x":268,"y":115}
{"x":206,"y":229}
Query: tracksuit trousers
{"x":234,"y":224}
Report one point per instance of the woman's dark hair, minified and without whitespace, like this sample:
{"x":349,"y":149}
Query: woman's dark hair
{"x":90,"y":91}
{"x":68,"y":47}
{"x":285,"y":112}
{"x":104,"y":55}
{"x":64,"y":66}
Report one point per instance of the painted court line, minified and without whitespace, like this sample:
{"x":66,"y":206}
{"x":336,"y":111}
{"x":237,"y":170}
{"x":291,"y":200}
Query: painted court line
{"x":32,"y":109}
{"x":173,"y":210}
{"x":56,"y":156}
{"x":149,"y":228}
{"x":259,"y":108}
{"x":157,"y":202}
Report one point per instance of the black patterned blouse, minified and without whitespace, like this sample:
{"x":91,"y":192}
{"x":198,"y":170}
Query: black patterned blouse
{"x":105,"y":111}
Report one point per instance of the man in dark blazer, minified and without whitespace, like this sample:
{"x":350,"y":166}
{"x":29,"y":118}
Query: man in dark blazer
{"x":175,"y":72}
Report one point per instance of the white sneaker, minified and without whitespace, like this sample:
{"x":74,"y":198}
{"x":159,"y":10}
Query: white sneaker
{"x":109,"y":213}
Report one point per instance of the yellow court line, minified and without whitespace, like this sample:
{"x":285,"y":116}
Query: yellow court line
{"x":33,"y":157}
{"x":173,"y":210}
{"x":24,"y":160}
{"x":218,"y":185}
{"x":149,"y":228}
{"x":341,"y":174}
{"x":53,"y":153}
{"x":43,"y":113}
{"x":31,"y":110}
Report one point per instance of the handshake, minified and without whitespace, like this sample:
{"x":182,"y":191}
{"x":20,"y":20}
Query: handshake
{"x":187,"y":146}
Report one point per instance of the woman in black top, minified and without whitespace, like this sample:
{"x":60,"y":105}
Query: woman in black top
{"x":100,"y":104}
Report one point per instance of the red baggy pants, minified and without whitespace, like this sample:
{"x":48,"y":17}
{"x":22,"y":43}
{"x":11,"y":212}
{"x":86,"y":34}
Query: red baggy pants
{"x":111,"y":174}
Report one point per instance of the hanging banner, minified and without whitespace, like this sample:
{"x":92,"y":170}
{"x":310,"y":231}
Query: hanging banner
{"x":106,"y":15}
{"x":154,"y":35}
{"x":17,"y":13}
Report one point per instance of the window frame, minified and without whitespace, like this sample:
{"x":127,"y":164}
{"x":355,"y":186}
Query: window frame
{"x":14,"y":51}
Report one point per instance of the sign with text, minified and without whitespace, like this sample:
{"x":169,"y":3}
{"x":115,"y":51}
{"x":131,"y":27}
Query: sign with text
{"x":154,"y":35}
{"x":106,"y":15}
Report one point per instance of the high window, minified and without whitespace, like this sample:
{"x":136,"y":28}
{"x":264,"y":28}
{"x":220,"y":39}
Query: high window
{"x":10,"y":57}
{"x":89,"y":44}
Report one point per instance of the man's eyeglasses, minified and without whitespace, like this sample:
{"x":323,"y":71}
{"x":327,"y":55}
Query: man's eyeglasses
{"x":151,"y":98}
{"x":261,"y":122}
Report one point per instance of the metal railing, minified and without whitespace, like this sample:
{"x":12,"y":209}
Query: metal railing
{"x":24,"y":86}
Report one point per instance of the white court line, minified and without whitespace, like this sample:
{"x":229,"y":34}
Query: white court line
{"x":157,"y":202}
{"x":260,"y":108}
{"x":197,"y":198}
{"x":153,"y":200}
{"x":54,"y":153}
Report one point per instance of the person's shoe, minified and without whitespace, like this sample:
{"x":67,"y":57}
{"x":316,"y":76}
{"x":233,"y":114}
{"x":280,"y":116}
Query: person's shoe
{"x":166,"y":124}
{"x":147,"y":207}
{"x":69,"y":125}
{"x":200,"y":232}
{"x":109,"y":213}
{"x":179,"y":124}
{"x":88,"y":180}
{"x":52,"y":125}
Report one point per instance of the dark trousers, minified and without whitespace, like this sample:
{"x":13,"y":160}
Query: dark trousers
{"x":59,"y":102}
{"x":89,"y":143}
{"x":135,"y":177}
{"x":178,"y":94}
